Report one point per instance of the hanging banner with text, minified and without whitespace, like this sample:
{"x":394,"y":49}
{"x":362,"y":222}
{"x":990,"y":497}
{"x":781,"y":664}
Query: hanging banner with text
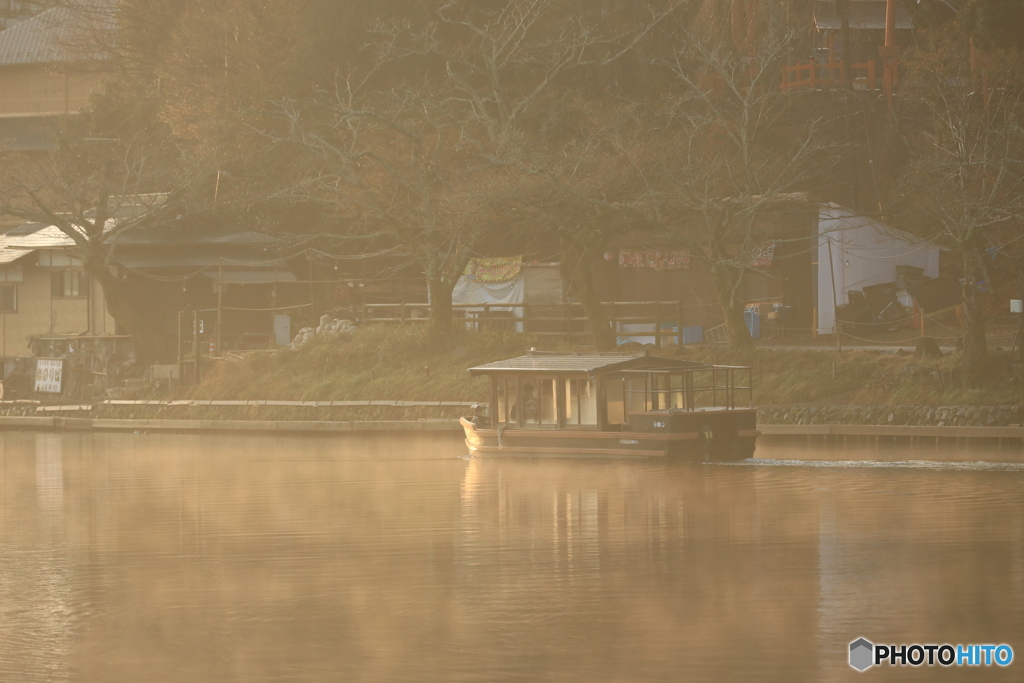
{"x":48,"y":375}
{"x":494,"y":268}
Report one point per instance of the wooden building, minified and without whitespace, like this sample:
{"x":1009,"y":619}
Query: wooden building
{"x":43,"y":75}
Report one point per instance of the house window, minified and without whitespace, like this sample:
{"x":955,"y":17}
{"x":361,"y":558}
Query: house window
{"x":69,"y":284}
{"x":8,"y":298}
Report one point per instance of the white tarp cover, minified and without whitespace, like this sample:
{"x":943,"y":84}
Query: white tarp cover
{"x":493,"y":293}
{"x":863,"y":252}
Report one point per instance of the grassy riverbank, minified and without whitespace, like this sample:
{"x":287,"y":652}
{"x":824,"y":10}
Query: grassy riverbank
{"x":400,"y":363}
{"x":375,"y":363}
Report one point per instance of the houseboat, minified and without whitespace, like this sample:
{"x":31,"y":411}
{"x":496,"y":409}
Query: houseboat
{"x":614,"y":404}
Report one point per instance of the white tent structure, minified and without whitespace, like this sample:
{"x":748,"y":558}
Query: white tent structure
{"x":856,"y":251}
{"x":494,"y":294}
{"x":532,"y":283}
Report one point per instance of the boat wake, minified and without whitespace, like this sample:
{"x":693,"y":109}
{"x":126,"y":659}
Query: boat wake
{"x":979,"y":466}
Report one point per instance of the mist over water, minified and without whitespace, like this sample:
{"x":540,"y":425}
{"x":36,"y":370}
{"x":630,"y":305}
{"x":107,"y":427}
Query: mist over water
{"x":217,"y":558}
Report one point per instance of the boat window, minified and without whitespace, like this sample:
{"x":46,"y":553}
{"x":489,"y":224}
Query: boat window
{"x":588,"y":402}
{"x":538,"y":401}
{"x":581,"y":402}
{"x":548,"y":407}
{"x":572,"y":402}
{"x":511,"y":398}
{"x":616,"y":401}
{"x":636,"y":389}
{"x":676,"y":392}
{"x":502,"y":412}
{"x":659,"y":394}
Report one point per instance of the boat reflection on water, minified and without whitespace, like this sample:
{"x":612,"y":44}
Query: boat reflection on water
{"x":744,"y":571}
{"x":668,"y":561}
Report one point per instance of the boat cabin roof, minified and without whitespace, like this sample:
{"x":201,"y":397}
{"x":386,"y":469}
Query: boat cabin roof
{"x":586,"y":364}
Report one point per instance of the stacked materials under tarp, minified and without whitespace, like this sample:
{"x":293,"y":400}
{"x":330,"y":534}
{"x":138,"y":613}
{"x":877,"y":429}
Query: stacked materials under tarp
{"x":869,"y":270}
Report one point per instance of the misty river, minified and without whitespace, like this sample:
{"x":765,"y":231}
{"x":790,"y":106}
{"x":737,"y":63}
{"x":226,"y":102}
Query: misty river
{"x":132,"y":557}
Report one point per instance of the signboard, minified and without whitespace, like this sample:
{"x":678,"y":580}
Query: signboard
{"x":650,"y":258}
{"x":48,"y":375}
{"x":763,"y":255}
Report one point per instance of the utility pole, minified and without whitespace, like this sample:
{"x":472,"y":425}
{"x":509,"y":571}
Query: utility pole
{"x":220,"y":303}
{"x":889,"y":52}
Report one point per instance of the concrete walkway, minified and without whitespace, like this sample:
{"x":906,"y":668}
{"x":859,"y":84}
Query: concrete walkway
{"x":904,"y":431}
{"x":79,"y":424}
{"x":880,"y":349}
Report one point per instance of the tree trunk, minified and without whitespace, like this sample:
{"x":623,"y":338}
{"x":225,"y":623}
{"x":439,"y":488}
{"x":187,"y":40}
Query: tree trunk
{"x":440,"y":321}
{"x":604,"y":337}
{"x":136,"y":315}
{"x":728,"y":284}
{"x":581,"y":284}
{"x":974,"y":359}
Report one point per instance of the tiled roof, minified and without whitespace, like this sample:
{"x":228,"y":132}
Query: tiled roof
{"x":191,"y":237}
{"x":587,"y":363}
{"x":868,"y":14}
{"x":147,"y":248}
{"x":55,"y":35}
{"x":24,"y":229}
{"x":173,"y":258}
{"x":49,"y":237}
{"x":11,"y":255}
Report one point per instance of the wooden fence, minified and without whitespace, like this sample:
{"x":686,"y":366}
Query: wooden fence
{"x":657,"y":319}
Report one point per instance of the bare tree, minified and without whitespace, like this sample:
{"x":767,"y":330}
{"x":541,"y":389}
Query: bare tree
{"x":591,"y":186}
{"x":445,"y":124}
{"x":391,"y":165}
{"x":95,"y":188}
{"x":736,"y":147}
{"x":964,"y":185}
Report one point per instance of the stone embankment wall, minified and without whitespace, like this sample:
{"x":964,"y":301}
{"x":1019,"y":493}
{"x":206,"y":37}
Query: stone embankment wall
{"x":938,"y":416}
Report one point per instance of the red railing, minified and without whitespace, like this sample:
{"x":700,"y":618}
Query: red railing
{"x":864,"y":76}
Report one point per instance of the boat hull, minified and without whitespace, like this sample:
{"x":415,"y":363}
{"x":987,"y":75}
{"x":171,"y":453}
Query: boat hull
{"x":703,"y":443}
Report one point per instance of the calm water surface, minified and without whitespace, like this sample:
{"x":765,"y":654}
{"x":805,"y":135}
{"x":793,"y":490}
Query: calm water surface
{"x":209,"y":558}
